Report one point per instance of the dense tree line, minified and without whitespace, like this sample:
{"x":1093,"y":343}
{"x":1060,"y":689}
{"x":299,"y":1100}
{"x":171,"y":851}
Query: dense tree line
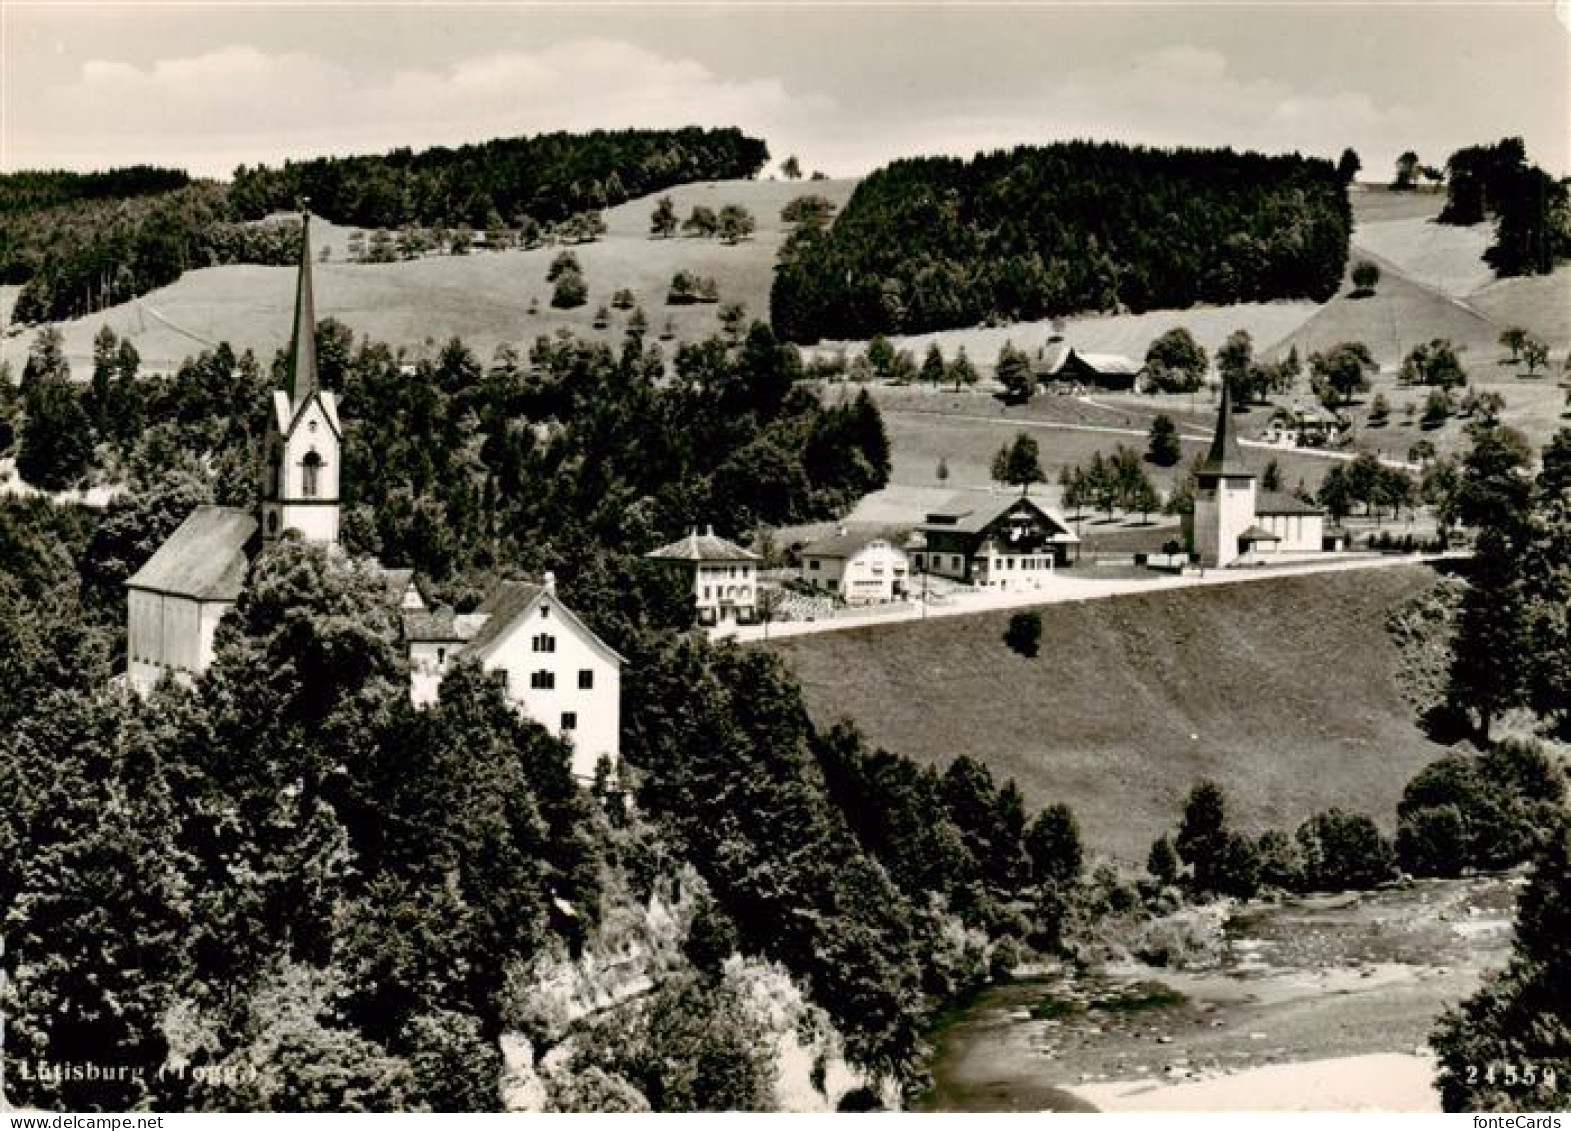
{"x":83,"y":256}
{"x":933,"y":243}
{"x":547,"y":177}
{"x":32,"y":189}
{"x":1531,"y":209}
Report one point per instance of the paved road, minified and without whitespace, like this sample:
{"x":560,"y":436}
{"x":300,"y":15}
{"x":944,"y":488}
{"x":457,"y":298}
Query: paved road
{"x":1081,"y":585}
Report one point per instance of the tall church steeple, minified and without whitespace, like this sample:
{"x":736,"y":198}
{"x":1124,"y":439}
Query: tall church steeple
{"x":1224,"y":505}
{"x":304,"y":438}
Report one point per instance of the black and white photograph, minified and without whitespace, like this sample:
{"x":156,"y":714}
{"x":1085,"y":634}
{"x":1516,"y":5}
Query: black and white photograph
{"x":785,"y":556}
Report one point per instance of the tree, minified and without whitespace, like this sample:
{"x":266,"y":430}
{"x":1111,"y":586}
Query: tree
{"x":1233,"y":358}
{"x":1014,"y":372}
{"x":1271,"y":477}
{"x":570,"y":291}
{"x":663,"y":221}
{"x":1176,"y":362}
{"x":1162,"y":861}
{"x":1024,"y":634}
{"x":811,"y":212}
{"x":1379,"y":411}
{"x":1366,"y":277}
{"x":735,"y":224}
{"x":701,"y":222}
{"x":563,"y":263}
{"x":1406,"y":171}
{"x":1223,"y":861}
{"x":1341,"y":851}
{"x":1163,"y":447}
{"x":1052,"y":844}
{"x":1343,"y":370}
{"x":933,"y":370}
{"x":1347,"y":166}
{"x":1534,"y":355}
{"x":1522,"y":1014}
{"x":1514,"y":338}
{"x":1433,"y":363}
{"x":791,"y":168}
{"x":961,"y":371}
{"x":733,"y":316}
{"x":56,"y":445}
{"x":1019,"y":463}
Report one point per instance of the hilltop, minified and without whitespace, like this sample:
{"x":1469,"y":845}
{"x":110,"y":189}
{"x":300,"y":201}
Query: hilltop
{"x":1282,"y":690}
{"x":483,"y":297}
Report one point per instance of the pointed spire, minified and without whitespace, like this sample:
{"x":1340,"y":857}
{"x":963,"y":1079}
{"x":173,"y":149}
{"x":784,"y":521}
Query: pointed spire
{"x":1225,"y":458}
{"x":302,"y":350}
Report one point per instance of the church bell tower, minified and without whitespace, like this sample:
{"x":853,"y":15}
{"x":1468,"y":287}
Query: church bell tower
{"x":1224,"y":494}
{"x":304,"y":438}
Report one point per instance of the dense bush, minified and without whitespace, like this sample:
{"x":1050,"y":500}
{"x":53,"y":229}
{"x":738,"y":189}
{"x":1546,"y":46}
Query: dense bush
{"x":933,"y":243}
{"x":1338,"y":851}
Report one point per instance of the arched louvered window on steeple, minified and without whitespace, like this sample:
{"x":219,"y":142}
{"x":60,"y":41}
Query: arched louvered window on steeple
{"x":310,"y":475}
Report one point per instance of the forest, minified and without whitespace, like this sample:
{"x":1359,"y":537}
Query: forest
{"x":1531,"y":210}
{"x":547,"y":177}
{"x":935,"y":243}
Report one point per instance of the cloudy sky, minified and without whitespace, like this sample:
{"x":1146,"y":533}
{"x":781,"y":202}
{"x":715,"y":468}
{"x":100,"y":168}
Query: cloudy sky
{"x":207,"y":86}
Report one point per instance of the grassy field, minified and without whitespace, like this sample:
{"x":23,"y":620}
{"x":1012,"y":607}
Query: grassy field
{"x":1283,"y":691}
{"x":483,"y":298}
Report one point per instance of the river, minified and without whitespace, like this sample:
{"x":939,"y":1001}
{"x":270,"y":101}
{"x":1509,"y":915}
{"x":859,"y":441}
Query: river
{"x":1290,"y":991}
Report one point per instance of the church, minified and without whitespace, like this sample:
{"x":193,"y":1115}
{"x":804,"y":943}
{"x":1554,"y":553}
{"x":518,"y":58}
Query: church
{"x":176,"y":600}
{"x":1233,"y":523}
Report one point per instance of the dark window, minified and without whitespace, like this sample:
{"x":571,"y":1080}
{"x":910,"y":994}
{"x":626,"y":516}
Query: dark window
{"x":542,"y":680}
{"x":569,"y":720}
{"x":586,"y":679}
{"x":310,"y":468}
{"x":545,"y":611}
{"x":543,"y":642}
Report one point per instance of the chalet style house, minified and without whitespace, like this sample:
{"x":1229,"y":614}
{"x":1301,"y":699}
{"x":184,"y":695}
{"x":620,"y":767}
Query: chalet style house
{"x":996,"y":542}
{"x":1067,"y":365}
{"x":555,"y":670}
{"x":724,"y":576}
{"x":1233,"y":523}
{"x":856,"y":568}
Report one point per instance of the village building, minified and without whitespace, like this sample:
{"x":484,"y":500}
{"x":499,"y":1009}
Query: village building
{"x":1010,"y":542}
{"x":1306,"y":426}
{"x":175,"y":601}
{"x":724,"y":576}
{"x":1067,"y":365}
{"x":1232,"y":522}
{"x":554,"y":668}
{"x":859,"y":569}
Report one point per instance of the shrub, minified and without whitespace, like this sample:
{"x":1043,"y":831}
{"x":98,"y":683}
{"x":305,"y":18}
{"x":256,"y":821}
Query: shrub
{"x":570,"y":291}
{"x":1024,"y":634}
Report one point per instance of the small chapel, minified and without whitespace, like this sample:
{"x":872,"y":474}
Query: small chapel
{"x":1233,"y":523}
{"x":556,"y":670}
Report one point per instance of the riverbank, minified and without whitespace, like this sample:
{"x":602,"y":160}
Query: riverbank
{"x":1317,"y":1004}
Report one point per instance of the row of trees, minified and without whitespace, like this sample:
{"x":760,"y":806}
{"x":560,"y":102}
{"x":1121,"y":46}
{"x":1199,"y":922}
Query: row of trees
{"x":732,"y":224}
{"x":934,"y":243}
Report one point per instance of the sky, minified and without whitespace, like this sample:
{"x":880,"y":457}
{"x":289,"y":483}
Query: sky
{"x":845,"y":86}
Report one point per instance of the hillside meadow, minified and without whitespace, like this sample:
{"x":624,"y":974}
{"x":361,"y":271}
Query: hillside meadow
{"x":1282,"y":690}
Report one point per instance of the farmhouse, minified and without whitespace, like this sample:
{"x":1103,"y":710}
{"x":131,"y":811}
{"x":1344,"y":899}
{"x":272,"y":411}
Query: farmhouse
{"x":556,"y":671}
{"x":1306,"y":426}
{"x":725,"y":576}
{"x":1232,"y":523}
{"x":1009,"y":542}
{"x":859,"y":569}
{"x":1100,"y":370}
{"x":554,"y":668}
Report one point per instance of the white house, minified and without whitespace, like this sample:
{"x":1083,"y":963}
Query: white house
{"x":555,"y":669}
{"x":175,"y":601}
{"x":858,"y":569}
{"x":724,"y":575}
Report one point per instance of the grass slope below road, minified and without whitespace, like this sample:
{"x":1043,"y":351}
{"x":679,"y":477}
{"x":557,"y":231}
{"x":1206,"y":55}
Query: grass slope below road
{"x":1284,"y":691}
